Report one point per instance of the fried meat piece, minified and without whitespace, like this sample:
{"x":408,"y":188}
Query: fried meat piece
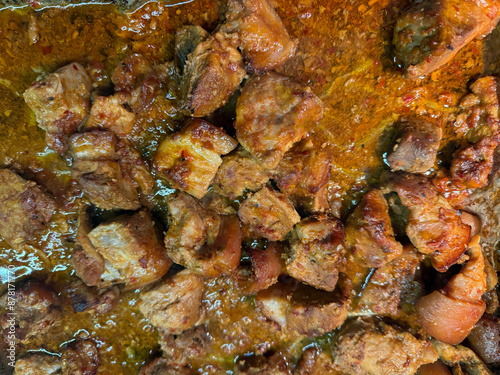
{"x":267,"y":265}
{"x":180,"y":350}
{"x":80,"y":358}
{"x":315,"y":361}
{"x":87,"y":298}
{"x":186,"y":40}
{"x":38,"y":364}
{"x":129,"y":74}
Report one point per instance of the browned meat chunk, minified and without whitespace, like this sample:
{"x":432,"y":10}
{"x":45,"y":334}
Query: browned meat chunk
{"x":38,"y":364}
{"x":275,"y":364}
{"x":462,"y":359}
{"x":202,"y":240}
{"x":485,"y":339}
{"x":131,"y":249}
{"x":24,"y":208}
{"x":239,"y":173}
{"x":213,"y":72}
{"x":430,"y":33}
{"x":316,"y":252}
{"x":369,"y":233}
{"x":272,"y":113}
{"x":263,"y":39}
{"x":417,"y":149}
{"x":267,"y":266}
{"x":80,"y":358}
{"x":86,"y":298}
{"x":131,"y":72}
{"x":190,"y":159}
{"x":60,"y":102}
{"x":174,"y":306}
{"x":368,"y":348}
{"x":186,"y":40}
{"x":159,"y":366}
{"x":269,"y":214}
{"x":180,"y":350}
{"x":37,"y":309}
{"x":109,"y":171}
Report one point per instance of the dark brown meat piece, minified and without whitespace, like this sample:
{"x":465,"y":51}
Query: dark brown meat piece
{"x":38,"y":364}
{"x":86,"y":298}
{"x":262,"y":37}
{"x":109,"y":171}
{"x":268,"y":214}
{"x":484,"y":339}
{"x":24,"y":208}
{"x":129,"y":74}
{"x":159,"y":366}
{"x":174,"y":306}
{"x":186,"y":40}
{"x":316,"y":253}
{"x":80,"y":358}
{"x":267,"y":265}
{"x":190,"y":159}
{"x":417,"y":150}
{"x":275,"y":364}
{"x":213,"y":72}
{"x":61,"y":101}
{"x":374,"y":348}
{"x":180,"y":350}
{"x":430,"y":33}
{"x":369,"y":232}
{"x":273,"y":112}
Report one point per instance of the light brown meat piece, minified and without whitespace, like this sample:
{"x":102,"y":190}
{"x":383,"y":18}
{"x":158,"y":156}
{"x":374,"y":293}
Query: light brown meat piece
{"x":262,"y":37}
{"x":186,"y":39}
{"x":375,"y":348}
{"x":213,"y":72}
{"x":38,"y":364}
{"x":110,"y":172}
{"x":273,"y":112}
{"x":159,"y":366}
{"x":174,"y":305}
{"x":317,"y":253}
{"x":369,"y":232}
{"x":80,"y":358}
{"x":189,"y":159}
{"x":180,"y":350}
{"x":24,"y":208}
{"x":129,"y":74}
{"x":87,"y":298}
{"x":61,"y":101}
{"x":268,"y":214}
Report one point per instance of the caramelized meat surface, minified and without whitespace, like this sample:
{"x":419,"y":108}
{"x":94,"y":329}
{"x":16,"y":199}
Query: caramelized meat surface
{"x":80,"y":358}
{"x":180,"y":350}
{"x":87,"y":298}
{"x":129,"y":74}
{"x":267,"y":264}
{"x":111,"y":113}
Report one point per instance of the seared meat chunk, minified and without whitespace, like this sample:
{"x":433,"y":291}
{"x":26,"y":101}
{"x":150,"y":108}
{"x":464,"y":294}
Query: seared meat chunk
{"x":174,"y":305}
{"x":38,"y":364}
{"x":267,"y":266}
{"x":131,"y":249}
{"x":417,"y":150}
{"x":369,"y":233}
{"x":430,"y":33}
{"x":239,"y":173}
{"x":274,"y":364}
{"x":84,"y":297}
{"x":180,"y":350}
{"x":268,"y":214}
{"x":109,"y":171}
{"x":316,"y":252}
{"x":24,"y":208}
{"x":129,"y":74}
{"x":190,"y":159}
{"x":159,"y":366}
{"x":80,"y":358}
{"x":374,"y":348}
{"x":186,"y":40}
{"x":201,"y":239}
{"x":485,"y":339}
{"x":61,"y":101}
{"x":273,"y":112}
{"x":262,"y":37}
{"x":213,"y":72}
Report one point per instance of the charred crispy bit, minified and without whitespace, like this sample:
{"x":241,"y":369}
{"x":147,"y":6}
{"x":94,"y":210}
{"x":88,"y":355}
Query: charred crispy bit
{"x":180,"y":350}
{"x":38,"y":364}
{"x":267,"y":266}
{"x":131,"y":249}
{"x":131,"y":72}
{"x":37,"y":309}
{"x":262,"y":37}
{"x":61,"y":101}
{"x":239,"y":173}
{"x":269,"y":214}
{"x":430,"y":33}
{"x":274,"y":364}
{"x":109,"y":171}
{"x":316,"y":253}
{"x":417,"y":149}
{"x":159,"y":366}
{"x":190,"y":159}
{"x":201,"y":239}
{"x":434,"y":227}
{"x":174,"y":306}
{"x":85,"y":298}
{"x":484,"y":339}
{"x":80,"y":358}
{"x":374,"y":348}
{"x":213,"y":72}
{"x":369,"y":232}
{"x":186,"y":40}
{"x":273,"y":112}
{"x":24,"y":208}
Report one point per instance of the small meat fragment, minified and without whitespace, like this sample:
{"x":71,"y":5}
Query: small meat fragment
{"x":269,"y":214}
{"x":369,"y":233}
{"x":174,"y":306}
{"x":110,"y":172}
{"x":186,"y":40}
{"x":24,"y":208}
{"x":262,"y":36}
{"x":201,"y":239}
{"x":267,"y":266}
{"x":180,"y":350}
{"x":430,"y":33}
{"x":375,"y":348}
{"x":132,"y":250}
{"x":273,"y":112}
{"x":315,"y":361}
{"x":159,"y":366}
{"x":129,"y":74}
{"x":111,"y":113}
{"x":61,"y":101}
{"x":80,"y":358}
{"x":190,"y":159}
{"x":316,"y":253}
{"x":417,"y":150}
{"x":38,"y":364}
{"x":274,"y":364}
{"x":239,"y":173}
{"x":86,"y":298}
{"x":212,"y":73}
{"x":462,"y":359}
{"x":485,"y":339}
